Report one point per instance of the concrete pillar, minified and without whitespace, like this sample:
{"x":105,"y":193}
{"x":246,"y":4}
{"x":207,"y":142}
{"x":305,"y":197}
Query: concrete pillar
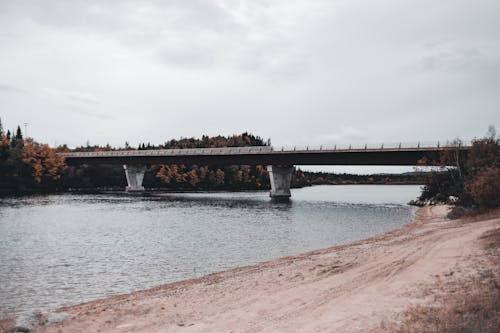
{"x":135,"y":175}
{"x":280,"y":177}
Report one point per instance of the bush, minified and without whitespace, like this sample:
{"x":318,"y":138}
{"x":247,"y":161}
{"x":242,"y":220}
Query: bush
{"x":484,"y":189}
{"x":474,"y":178}
{"x":442,"y":185}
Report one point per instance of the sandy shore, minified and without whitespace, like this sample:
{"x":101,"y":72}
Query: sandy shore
{"x":362,"y":286}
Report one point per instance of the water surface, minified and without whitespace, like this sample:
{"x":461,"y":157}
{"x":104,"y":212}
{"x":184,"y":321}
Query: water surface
{"x":65,"y":249}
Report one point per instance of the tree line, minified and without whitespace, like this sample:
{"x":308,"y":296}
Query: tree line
{"x":26,"y":165}
{"x":327,"y":178}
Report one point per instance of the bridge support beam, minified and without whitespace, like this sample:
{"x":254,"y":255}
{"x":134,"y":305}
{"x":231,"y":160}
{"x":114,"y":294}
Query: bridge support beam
{"x":280,"y":177}
{"x":135,"y":175}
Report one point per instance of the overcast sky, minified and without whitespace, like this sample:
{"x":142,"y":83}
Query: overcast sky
{"x":298,"y":72}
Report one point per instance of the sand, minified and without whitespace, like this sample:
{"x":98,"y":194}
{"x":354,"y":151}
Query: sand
{"x":350,"y":288}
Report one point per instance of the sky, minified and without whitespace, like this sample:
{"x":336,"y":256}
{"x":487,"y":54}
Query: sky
{"x":301,"y":72}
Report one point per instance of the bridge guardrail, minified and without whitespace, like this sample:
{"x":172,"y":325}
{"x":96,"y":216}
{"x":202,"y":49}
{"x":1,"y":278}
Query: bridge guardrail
{"x":173,"y":152}
{"x":424,"y":145}
{"x":377,"y":146}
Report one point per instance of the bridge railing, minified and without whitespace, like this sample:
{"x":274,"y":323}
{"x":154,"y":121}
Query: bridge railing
{"x":266,"y":149}
{"x":375,"y":146}
{"x":175,"y":152}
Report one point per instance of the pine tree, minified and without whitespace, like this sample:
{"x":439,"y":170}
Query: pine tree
{"x":1,"y":128}
{"x":13,"y":140}
{"x":19,"y":134}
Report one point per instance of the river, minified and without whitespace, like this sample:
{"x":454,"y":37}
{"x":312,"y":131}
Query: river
{"x":70,"y":248}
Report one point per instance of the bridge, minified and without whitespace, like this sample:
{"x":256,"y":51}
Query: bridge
{"x":279,"y":162}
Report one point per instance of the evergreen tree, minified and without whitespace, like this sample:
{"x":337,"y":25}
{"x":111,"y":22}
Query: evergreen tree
{"x":19,"y":134}
{"x":1,"y":128}
{"x":8,"y":135}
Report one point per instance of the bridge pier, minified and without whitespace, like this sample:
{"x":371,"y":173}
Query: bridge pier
{"x":280,"y":177}
{"x":135,"y":175}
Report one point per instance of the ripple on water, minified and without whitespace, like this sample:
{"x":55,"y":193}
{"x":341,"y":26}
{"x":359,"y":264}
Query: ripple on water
{"x":65,"y":249}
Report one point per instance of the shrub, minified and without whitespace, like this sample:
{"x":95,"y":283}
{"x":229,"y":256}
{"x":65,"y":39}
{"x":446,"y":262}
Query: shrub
{"x":484,"y":188}
{"x":474,"y":178}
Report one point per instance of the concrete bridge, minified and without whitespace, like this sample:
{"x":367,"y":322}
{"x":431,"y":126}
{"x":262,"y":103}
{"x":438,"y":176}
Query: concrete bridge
{"x":279,"y":162}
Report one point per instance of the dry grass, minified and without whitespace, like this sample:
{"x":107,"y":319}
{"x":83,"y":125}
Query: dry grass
{"x":492,"y":242}
{"x":461,"y":306}
{"x":473,"y":309}
{"x":6,"y":325}
{"x":472,"y":214}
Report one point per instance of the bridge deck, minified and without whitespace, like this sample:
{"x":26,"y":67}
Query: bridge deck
{"x":263,"y":155}
{"x":173,"y":152}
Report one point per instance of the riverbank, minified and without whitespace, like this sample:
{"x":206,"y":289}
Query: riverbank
{"x":370,"y":285}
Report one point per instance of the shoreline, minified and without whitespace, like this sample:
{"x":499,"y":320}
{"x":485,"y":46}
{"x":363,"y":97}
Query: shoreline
{"x":349,"y":288}
{"x":121,"y":190}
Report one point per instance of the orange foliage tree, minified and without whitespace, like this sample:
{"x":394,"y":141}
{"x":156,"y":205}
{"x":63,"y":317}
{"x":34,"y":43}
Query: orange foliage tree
{"x":43,"y":161}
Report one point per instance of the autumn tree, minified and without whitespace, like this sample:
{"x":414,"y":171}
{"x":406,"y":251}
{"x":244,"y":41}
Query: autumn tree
{"x":43,"y":161}
{"x":192,"y":177}
{"x":4,"y":155}
{"x":4,"y":147}
{"x":32,"y":159}
{"x":484,"y":189}
{"x":219,"y":177}
{"x":207,"y":177}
